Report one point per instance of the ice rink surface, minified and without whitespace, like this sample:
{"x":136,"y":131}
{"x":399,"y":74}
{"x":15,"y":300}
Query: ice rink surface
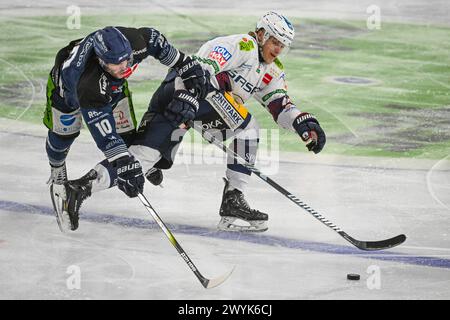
{"x":120,"y":253}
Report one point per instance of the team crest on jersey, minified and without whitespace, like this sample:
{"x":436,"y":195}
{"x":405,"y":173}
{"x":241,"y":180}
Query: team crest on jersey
{"x":220,"y":55}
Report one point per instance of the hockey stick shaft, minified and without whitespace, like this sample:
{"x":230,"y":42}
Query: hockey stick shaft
{"x":200,"y":277}
{"x":363,"y":245}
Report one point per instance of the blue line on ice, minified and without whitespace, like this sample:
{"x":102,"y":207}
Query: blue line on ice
{"x":246,"y":237}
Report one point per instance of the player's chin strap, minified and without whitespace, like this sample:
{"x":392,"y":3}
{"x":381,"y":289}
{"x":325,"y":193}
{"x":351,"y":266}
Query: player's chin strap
{"x":207,"y":283}
{"x":363,"y":245}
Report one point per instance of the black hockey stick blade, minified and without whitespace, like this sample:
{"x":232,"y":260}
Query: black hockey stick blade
{"x":375,"y":245}
{"x":206,"y":283}
{"x":212,"y":283}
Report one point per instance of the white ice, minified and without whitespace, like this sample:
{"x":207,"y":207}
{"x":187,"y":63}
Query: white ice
{"x":121,"y":253}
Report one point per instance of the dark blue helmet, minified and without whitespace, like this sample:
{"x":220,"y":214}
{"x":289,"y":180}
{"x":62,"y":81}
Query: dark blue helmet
{"x":111,"y":46}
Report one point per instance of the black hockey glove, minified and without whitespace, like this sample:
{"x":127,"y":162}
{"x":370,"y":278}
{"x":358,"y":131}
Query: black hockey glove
{"x":308,"y":128}
{"x":195,"y":79}
{"x":130,"y":178}
{"x":182,"y":108}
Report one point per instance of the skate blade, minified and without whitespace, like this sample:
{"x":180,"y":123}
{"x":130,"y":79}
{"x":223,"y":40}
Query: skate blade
{"x":227,"y":224}
{"x":58,"y":196}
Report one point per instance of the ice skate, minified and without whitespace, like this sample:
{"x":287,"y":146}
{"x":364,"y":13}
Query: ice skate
{"x":67,"y":199}
{"x":234,"y":207}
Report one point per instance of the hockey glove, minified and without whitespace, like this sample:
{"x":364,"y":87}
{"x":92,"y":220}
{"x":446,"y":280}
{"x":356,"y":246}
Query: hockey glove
{"x":308,"y":128}
{"x":130,"y":178}
{"x":182,"y":108}
{"x":195,"y":79}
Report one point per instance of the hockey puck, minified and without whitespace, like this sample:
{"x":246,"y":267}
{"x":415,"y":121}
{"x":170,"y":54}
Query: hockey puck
{"x":353,"y":276}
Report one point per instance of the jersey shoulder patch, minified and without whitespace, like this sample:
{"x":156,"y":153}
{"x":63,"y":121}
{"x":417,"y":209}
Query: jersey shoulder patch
{"x":246,"y":44}
{"x":278,"y":63}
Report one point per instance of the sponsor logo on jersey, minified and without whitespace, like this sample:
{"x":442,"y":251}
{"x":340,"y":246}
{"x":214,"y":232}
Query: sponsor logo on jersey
{"x":65,"y":124}
{"x":136,"y":52}
{"x":240,"y":80}
{"x":267,"y":78}
{"x":212,"y":125}
{"x":227,"y":110}
{"x":278,"y":63}
{"x":116,"y":89}
{"x":67,"y":119}
{"x":232,"y":113}
{"x":87,"y":45}
{"x":220,"y":54}
{"x":93,"y":114}
{"x":113,"y":142}
{"x":275,"y":72}
{"x":250,"y":158}
{"x":272,"y":93}
{"x":122,"y":121}
{"x":246,"y":45}
{"x":156,"y":38}
{"x":103,"y":82}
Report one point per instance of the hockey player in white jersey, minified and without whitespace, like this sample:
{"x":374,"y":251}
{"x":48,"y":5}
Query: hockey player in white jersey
{"x":247,"y":65}
{"x":241,"y":66}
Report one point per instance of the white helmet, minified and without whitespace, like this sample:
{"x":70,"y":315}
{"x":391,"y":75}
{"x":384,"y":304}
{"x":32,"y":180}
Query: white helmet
{"x":278,"y":26}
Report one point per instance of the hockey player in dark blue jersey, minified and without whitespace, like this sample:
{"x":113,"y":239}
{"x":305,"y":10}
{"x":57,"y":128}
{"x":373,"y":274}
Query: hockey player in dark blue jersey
{"x":88,"y":81}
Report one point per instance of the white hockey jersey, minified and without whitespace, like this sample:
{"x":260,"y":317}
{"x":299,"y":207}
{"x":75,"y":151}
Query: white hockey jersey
{"x":237,"y":55}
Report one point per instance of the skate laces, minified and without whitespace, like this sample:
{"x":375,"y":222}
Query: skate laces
{"x":58,"y":175}
{"x":243,"y":201}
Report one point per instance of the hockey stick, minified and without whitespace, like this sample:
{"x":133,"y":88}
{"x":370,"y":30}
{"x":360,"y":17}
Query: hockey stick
{"x":207,"y":283}
{"x":363,"y":245}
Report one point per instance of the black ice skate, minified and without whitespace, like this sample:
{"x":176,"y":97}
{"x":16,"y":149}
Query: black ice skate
{"x":67,"y":200}
{"x":233,"y":207}
{"x":154,"y":176}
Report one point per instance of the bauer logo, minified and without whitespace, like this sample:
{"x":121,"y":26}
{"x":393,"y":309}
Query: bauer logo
{"x":220,"y":54}
{"x":67,"y":119}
